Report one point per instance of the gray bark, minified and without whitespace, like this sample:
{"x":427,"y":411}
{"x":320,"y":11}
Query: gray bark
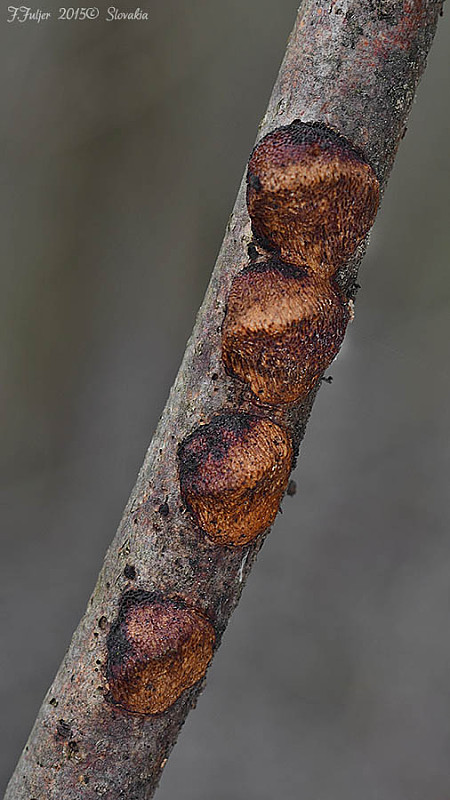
{"x":355,"y":65}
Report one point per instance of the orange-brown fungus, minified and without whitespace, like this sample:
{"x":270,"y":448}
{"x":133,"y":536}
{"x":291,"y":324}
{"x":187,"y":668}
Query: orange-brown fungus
{"x":311,"y":196}
{"x":282,"y":329}
{"x":233,"y":474}
{"x":157,"y":648}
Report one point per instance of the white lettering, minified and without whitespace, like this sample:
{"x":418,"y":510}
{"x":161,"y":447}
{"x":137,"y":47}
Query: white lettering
{"x":12,"y":11}
{"x":26,"y":14}
{"x":114,"y":15}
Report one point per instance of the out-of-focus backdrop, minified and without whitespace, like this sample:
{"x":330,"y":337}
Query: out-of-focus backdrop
{"x":123,"y":145}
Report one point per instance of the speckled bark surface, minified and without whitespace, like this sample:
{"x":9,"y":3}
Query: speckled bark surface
{"x":354,"y":66}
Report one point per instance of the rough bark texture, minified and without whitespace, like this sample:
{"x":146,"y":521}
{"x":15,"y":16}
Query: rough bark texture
{"x":354,"y":65}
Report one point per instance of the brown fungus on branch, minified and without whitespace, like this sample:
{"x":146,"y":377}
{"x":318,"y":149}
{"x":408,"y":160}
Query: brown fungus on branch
{"x":311,"y":195}
{"x":233,"y":475}
{"x":157,"y":648}
{"x":283,"y":327}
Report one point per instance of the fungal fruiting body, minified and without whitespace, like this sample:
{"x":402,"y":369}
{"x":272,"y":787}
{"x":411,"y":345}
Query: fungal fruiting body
{"x":282,"y":329}
{"x":311,"y":198}
{"x":157,"y":648}
{"x":233,"y":475}
{"x":311,"y":195}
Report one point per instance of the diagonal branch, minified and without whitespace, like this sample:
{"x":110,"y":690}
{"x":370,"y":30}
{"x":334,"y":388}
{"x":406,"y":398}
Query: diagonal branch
{"x":112,"y":715}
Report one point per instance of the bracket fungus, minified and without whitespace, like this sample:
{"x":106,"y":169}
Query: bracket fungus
{"x":157,"y":648}
{"x":311,"y":195}
{"x":283,"y":327}
{"x":233,"y":475}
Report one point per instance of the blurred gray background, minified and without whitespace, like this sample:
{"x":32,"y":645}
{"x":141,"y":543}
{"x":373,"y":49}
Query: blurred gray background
{"x":124,"y":145}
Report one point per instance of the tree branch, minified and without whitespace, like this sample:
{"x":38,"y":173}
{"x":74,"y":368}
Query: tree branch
{"x":354,"y":66}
